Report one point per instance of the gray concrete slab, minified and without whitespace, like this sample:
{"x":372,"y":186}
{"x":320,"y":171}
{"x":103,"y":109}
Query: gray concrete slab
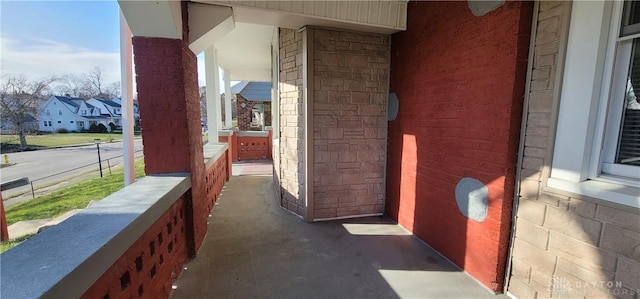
{"x":255,"y":249}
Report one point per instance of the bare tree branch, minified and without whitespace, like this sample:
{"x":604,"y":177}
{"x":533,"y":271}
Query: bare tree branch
{"x":20,"y":97}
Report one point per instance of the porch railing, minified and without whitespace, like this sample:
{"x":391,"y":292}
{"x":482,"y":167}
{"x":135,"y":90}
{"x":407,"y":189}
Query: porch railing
{"x":132,"y":243}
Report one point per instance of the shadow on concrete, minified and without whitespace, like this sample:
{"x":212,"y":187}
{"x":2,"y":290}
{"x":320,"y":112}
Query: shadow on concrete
{"x":254,"y":248}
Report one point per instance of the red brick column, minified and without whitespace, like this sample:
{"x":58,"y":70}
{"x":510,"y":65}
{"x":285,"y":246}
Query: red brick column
{"x":4,"y":229}
{"x":244,"y":113}
{"x":167,"y":85}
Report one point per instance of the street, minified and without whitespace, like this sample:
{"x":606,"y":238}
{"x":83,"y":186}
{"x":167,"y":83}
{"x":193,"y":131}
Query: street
{"x":39,"y":166}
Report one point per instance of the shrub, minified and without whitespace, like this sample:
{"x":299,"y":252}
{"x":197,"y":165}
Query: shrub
{"x":102,"y":128}
{"x":97,"y":128}
{"x":62,"y":131}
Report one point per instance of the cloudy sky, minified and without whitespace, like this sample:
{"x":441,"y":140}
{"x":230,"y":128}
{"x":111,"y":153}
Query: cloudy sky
{"x":45,"y":38}
{"x":55,"y":38}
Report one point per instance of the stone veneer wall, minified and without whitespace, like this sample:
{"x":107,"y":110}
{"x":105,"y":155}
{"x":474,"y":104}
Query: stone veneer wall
{"x":350,"y":91}
{"x":564,"y":242}
{"x":291,"y":147}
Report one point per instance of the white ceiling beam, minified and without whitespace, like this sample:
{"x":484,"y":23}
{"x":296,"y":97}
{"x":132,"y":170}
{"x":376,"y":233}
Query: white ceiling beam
{"x":153,"y":18}
{"x":208,"y":24}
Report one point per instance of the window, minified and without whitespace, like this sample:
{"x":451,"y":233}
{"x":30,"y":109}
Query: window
{"x":81,"y":124}
{"x":45,"y":123}
{"x":59,"y":122}
{"x":59,"y":112}
{"x":48,"y":112}
{"x":621,"y":152}
{"x":597,"y":147}
{"x":84,"y":112}
{"x":71,"y":122}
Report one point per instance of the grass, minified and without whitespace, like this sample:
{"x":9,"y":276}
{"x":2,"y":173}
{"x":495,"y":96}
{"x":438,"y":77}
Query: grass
{"x":76,"y":196}
{"x":59,"y":202}
{"x":4,"y":246}
{"x":11,"y":143}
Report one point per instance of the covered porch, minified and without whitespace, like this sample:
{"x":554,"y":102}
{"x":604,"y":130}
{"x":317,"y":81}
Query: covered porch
{"x":256,"y":249}
{"x":337,"y":154}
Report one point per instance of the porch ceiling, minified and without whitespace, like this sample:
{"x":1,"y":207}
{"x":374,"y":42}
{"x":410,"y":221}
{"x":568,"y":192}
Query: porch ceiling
{"x":386,"y":16}
{"x":246,"y":52}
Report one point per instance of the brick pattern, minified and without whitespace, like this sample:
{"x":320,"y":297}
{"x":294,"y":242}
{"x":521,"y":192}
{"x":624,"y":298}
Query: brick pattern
{"x":161,"y":96}
{"x":254,"y":148}
{"x":231,"y":141}
{"x":564,"y":245}
{"x":168,"y":95}
{"x":244,"y":113}
{"x":148,"y":267}
{"x":291,"y":121}
{"x":217,"y":176}
{"x":460,"y":81}
{"x":351,"y":79}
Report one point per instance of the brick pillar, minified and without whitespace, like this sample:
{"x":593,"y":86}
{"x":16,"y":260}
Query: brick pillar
{"x":167,"y":85}
{"x":4,"y":229}
{"x":244,"y":113}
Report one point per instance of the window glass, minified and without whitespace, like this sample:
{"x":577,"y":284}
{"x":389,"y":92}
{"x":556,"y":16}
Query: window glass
{"x":630,"y":18}
{"x":628,"y":151}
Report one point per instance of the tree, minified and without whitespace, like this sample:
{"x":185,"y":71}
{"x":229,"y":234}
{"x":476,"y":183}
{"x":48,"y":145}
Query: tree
{"x":203,"y":103}
{"x":94,"y":81}
{"x":70,"y":85}
{"x":20,"y":97}
{"x":90,"y":84}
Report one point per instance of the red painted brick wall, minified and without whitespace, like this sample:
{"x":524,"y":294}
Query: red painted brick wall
{"x":460,"y":83}
{"x":148,"y":268}
{"x":168,"y":95}
{"x":244,"y":113}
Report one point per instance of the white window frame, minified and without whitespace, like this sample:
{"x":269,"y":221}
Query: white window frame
{"x":583,"y":114}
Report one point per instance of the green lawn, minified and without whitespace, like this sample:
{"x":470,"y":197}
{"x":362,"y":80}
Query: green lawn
{"x":4,"y":246}
{"x":76,"y":196}
{"x":59,"y":139}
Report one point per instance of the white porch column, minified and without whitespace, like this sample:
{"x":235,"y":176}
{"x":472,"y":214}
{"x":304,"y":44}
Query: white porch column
{"x":227,"y":100}
{"x":126,"y":74}
{"x":212,"y":76}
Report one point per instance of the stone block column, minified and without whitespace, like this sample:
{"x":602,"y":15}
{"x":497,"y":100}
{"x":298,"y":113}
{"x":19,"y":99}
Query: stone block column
{"x":167,"y":85}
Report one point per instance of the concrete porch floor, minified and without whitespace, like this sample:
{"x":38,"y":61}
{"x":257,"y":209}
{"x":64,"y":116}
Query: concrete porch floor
{"x":255,"y":249}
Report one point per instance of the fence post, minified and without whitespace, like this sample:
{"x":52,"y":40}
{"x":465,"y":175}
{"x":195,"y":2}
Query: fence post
{"x":33,"y":193}
{"x":109,"y":165}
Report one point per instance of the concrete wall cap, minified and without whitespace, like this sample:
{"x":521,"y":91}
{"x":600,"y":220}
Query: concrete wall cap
{"x":65,"y":260}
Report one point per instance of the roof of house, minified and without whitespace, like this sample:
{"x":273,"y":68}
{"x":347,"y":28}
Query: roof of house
{"x":94,"y":117}
{"x":253,"y":90}
{"x":110,"y":103}
{"x":75,"y":102}
{"x":29,"y":118}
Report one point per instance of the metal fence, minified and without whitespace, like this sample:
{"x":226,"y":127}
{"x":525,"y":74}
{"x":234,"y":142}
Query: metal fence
{"x":34,"y":183}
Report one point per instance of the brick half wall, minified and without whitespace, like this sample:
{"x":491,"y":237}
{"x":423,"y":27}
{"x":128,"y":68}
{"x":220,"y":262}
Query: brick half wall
{"x":460,"y":82}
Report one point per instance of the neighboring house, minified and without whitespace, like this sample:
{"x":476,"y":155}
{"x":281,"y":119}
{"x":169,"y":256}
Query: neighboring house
{"x":60,"y":113}
{"x":253,"y":102}
{"x":110,"y":110}
{"x":8,"y":127}
{"x":75,"y":114}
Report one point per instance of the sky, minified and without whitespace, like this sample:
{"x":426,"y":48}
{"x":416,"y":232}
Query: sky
{"x":54,"y":38}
